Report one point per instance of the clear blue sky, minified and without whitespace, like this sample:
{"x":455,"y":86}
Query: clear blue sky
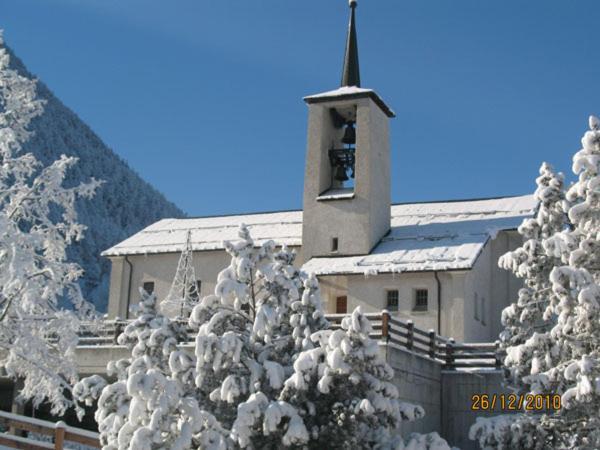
{"x":203,"y":98}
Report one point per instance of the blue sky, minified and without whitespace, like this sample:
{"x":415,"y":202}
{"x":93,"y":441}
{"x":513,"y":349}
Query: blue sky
{"x":204,"y":98}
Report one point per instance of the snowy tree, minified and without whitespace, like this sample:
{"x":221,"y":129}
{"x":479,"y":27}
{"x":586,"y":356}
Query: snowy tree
{"x":532,"y":313}
{"x":245,"y":344}
{"x":183,"y":295}
{"x":343,"y":390}
{"x":38,"y":222}
{"x":568,"y":355}
{"x":151,"y":405}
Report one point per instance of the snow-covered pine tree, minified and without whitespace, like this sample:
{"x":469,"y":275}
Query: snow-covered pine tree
{"x":572,"y":368}
{"x":38,"y":222}
{"x":245,"y":344}
{"x":532,"y":312}
{"x":343,"y":391}
{"x":183,"y":295}
{"x":152,"y":403}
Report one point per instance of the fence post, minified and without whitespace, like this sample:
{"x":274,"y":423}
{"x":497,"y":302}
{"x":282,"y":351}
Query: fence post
{"x":385,"y":325}
{"x":450,"y":354}
{"x":497,"y":355}
{"x":59,"y":435}
{"x":432,"y":346}
{"x":118,"y":330}
{"x":410,"y":333}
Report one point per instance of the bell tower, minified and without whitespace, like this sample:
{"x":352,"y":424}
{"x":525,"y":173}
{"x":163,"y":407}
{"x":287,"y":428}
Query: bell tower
{"x":346,"y":207}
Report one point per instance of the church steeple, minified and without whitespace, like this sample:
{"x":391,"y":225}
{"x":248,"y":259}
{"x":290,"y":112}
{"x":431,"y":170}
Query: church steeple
{"x":347,"y":176}
{"x":351,"y":70}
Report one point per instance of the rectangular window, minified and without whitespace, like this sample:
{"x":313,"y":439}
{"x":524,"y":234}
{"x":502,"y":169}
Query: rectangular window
{"x":476,"y":307}
{"x":148,"y":286}
{"x":421,"y":299}
{"x":334,"y":244}
{"x":392,"y":300}
{"x":341,"y":305}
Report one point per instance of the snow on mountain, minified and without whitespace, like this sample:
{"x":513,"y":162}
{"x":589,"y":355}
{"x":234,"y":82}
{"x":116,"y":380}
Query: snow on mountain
{"x":122,"y":206}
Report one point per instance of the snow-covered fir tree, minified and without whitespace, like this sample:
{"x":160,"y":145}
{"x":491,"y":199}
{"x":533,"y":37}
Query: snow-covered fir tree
{"x":532,"y":313}
{"x":566,"y":359}
{"x":245,"y":344}
{"x":183,"y":294}
{"x":151,"y":404}
{"x":38,"y":222}
{"x":344,"y":392}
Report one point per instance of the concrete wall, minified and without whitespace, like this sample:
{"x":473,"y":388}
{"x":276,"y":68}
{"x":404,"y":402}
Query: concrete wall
{"x":446,"y":395}
{"x":418,"y":380}
{"x":458,"y":387}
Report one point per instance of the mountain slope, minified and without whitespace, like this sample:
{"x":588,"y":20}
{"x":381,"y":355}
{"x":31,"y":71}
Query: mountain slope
{"x":122,"y":206}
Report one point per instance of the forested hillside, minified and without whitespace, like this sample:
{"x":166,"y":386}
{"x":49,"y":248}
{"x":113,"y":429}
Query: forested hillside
{"x":123,"y":205}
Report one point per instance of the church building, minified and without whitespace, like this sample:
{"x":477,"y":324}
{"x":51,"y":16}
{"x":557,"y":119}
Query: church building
{"x":434,"y":263}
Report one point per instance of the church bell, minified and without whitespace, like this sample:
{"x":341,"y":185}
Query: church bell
{"x":349,"y":134}
{"x":340,"y":173}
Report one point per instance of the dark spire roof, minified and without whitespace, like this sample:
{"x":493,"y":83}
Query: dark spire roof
{"x":351,"y":72}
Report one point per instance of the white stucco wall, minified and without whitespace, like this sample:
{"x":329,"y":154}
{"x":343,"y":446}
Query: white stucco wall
{"x":458,"y":288}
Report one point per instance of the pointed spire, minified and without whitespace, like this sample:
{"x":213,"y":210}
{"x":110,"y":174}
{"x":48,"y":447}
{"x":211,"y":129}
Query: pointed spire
{"x":351,"y":72}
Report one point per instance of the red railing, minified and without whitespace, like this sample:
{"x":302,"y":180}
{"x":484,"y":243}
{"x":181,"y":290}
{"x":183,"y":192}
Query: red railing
{"x":389,"y":329}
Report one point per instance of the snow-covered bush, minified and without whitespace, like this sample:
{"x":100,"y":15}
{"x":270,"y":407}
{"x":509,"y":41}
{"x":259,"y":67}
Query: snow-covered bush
{"x":563,"y":357}
{"x":38,"y":222}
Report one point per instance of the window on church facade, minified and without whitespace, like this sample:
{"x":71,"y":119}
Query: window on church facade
{"x":148,"y":286}
{"x":476,"y":307}
{"x":421,"y":299}
{"x":334,"y":244}
{"x":392,"y":300}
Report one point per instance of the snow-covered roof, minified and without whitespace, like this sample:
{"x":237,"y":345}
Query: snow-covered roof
{"x":424,"y":236}
{"x":350,"y":92}
{"x":208,"y":233}
{"x":433,"y":236}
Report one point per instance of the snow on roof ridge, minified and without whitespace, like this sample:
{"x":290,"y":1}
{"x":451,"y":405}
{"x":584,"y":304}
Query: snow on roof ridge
{"x":448,"y":221}
{"x":424,"y":202}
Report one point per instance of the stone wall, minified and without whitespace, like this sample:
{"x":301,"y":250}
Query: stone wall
{"x":444,"y":394}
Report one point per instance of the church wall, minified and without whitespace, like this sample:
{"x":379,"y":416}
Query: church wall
{"x":160,"y":269}
{"x":478,"y":315}
{"x":371,"y":293}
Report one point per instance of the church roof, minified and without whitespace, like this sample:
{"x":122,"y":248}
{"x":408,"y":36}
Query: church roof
{"x":424,"y":236}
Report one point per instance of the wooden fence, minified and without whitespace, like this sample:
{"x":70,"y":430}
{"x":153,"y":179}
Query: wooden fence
{"x":59,"y":433}
{"x":386,"y":327}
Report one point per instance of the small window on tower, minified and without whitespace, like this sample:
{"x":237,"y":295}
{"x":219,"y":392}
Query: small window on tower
{"x":148,"y":287}
{"x":392,"y":300}
{"x":334,"y":244}
{"x":421,"y":299}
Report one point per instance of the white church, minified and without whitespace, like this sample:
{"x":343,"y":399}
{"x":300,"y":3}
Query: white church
{"x":434,"y":263}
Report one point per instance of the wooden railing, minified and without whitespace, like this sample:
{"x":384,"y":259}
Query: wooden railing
{"x":59,"y":433}
{"x":386,"y":327}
